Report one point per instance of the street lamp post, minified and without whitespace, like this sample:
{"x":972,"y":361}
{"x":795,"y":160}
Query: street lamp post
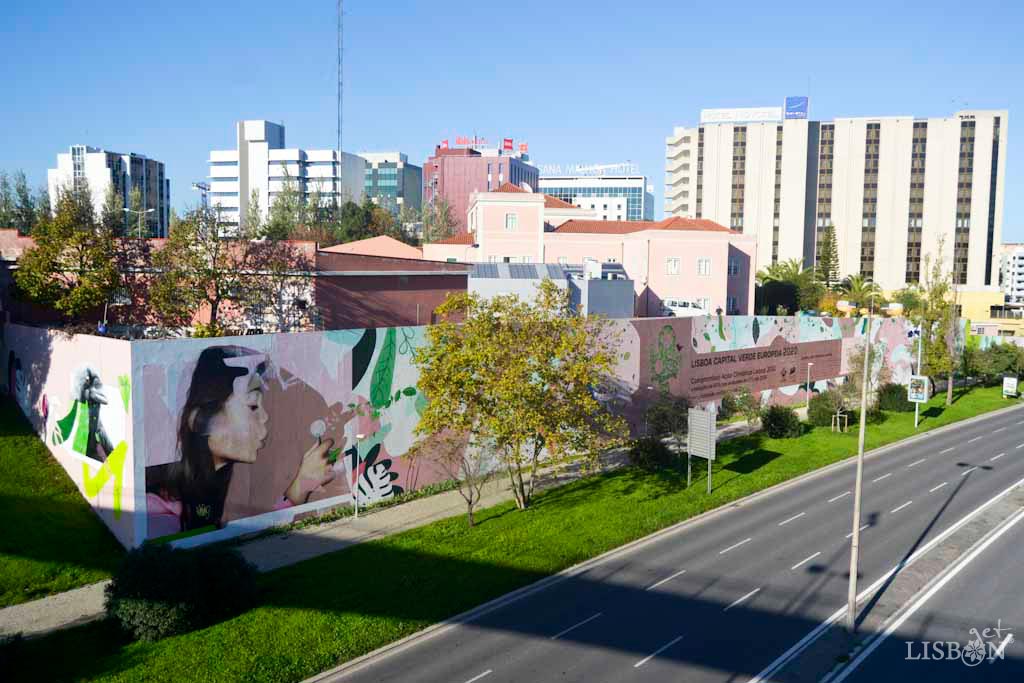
{"x":140,"y":214}
{"x":355,"y":487}
{"x":808,"y":385}
{"x":851,"y":602}
{"x":917,"y":406}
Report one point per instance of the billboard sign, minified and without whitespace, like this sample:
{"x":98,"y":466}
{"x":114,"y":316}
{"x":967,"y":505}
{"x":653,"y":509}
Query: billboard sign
{"x":506,"y":145}
{"x":524,"y":147}
{"x":1009,"y":387}
{"x":743,"y":115}
{"x":917,"y":389}
{"x":796,"y":107}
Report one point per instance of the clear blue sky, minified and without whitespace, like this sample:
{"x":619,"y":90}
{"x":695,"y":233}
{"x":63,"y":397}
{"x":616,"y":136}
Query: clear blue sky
{"x":581,"y":81}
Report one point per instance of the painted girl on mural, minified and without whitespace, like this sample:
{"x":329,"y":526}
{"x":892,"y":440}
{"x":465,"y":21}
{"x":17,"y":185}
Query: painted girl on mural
{"x":223,"y":423}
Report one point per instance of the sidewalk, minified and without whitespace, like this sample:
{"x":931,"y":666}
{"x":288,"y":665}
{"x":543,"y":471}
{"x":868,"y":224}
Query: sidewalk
{"x":85,"y":604}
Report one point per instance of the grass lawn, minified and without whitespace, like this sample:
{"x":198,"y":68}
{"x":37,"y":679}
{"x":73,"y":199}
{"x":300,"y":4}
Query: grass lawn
{"x":51,"y":540}
{"x":339,"y":606}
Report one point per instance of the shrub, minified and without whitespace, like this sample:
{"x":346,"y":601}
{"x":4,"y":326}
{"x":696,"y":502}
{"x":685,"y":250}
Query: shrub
{"x":780,"y":422}
{"x":728,"y":407}
{"x":893,"y":397}
{"x":667,"y":415}
{"x":159,"y":591}
{"x":823,"y":407}
{"x":650,"y":453}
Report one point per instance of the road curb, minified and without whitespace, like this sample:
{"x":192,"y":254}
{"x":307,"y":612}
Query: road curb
{"x":354,"y":665}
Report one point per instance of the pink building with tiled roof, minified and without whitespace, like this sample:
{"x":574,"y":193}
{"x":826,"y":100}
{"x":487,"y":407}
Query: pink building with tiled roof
{"x":693,"y":260}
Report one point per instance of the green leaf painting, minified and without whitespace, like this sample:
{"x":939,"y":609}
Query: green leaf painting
{"x":384,"y":372}
{"x":755,"y":330}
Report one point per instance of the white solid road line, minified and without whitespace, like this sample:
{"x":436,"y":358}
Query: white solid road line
{"x":896,"y":623}
{"x":805,"y":560}
{"x":574,"y":626}
{"x":901,"y":507}
{"x":666,"y":579}
{"x":975,"y":438}
{"x":787,"y":521}
{"x":655,"y":653}
{"x":967,"y":471}
{"x":862,"y":529}
{"x":996,"y":457}
{"x":732,"y":547}
{"x":917,"y":462}
{"x":736,"y":602}
{"x":881,"y":477}
{"x":811,"y":636}
{"x":938,"y":487}
{"x":947,"y":450}
{"x":841,"y":495}
{"x":479,"y":676}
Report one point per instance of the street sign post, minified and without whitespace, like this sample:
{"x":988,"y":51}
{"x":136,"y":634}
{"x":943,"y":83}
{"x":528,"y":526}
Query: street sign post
{"x":1009,"y":387}
{"x":917,"y":390}
{"x":701,"y":439}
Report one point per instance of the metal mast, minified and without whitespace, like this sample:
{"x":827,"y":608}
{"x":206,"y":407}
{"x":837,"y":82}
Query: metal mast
{"x":337,"y":194}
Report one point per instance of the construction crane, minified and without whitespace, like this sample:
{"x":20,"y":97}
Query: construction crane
{"x":204,"y":189}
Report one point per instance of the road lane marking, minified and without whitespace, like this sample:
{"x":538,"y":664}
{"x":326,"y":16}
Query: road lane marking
{"x":901,"y":507}
{"x":881,"y":477}
{"x":655,"y":653}
{"x":998,"y":430}
{"x":909,"y":612}
{"x":732,"y":547}
{"x":938,"y":487}
{"x":947,"y":450}
{"x":805,"y":560}
{"x":996,"y":457}
{"x":968,"y":471}
{"x":736,"y":602}
{"x":975,"y":438}
{"x":1020,"y":445}
{"x":841,"y":495}
{"x":862,"y":529}
{"x":787,"y":521}
{"x":574,"y":626}
{"x":916,"y":463}
{"x":479,"y":676}
{"x":655,"y":585}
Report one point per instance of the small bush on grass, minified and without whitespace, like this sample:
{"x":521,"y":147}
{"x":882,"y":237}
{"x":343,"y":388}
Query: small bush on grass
{"x":823,"y":407}
{"x":649,"y":453}
{"x":729,"y":406}
{"x":893,"y":397}
{"x":159,"y":591}
{"x":780,"y":422}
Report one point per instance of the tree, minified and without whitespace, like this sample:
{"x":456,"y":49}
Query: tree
{"x":996,"y":361}
{"x":465,"y":463}
{"x":112,"y":217}
{"x":828,"y":258}
{"x":354,"y":221}
{"x":668,"y":415}
{"x":791,"y":271}
{"x":938,"y":320}
{"x":6,"y":202}
{"x":809,"y":293}
{"x":860,"y":290}
{"x":137,"y":224}
{"x":24,"y":205}
{"x":520,"y":379}
{"x":438,"y":221}
{"x":747,"y":405}
{"x":42,"y":202}
{"x":287,"y":212}
{"x":912,"y":300}
{"x":70,"y":266}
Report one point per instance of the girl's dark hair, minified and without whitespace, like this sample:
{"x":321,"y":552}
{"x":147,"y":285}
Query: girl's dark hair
{"x":193,"y":479}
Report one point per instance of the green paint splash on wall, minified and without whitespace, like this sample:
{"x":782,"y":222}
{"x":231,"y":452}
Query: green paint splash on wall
{"x":113,"y":467}
{"x":125,"y":383}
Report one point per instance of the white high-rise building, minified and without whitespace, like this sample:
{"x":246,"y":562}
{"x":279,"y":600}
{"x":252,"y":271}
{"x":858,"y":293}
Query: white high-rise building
{"x":613,"y":196}
{"x":892,"y":187}
{"x":99,"y":169}
{"x":1011,"y":272}
{"x":263,"y":165}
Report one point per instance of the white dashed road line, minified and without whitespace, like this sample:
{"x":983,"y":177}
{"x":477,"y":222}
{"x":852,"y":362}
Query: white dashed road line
{"x":732,"y":547}
{"x":575,"y":626}
{"x":998,"y":430}
{"x":841,"y":495}
{"x":901,"y":507}
{"x":805,"y":560}
{"x":655,"y":653}
{"x":881,"y":477}
{"x":938,"y":487}
{"x":947,"y":450}
{"x":918,"y":462}
{"x":479,"y":676}
{"x":736,"y":602}
{"x":977,"y":438}
{"x":996,"y":457}
{"x":787,"y":521}
{"x":862,"y":529}
{"x":665,"y":580}
{"x":967,"y":471}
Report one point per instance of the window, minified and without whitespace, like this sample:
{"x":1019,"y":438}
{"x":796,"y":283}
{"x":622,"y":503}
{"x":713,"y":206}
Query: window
{"x":492,"y":259}
{"x":563,"y":260}
{"x":672,"y":266}
{"x":611,"y":259}
{"x":704,"y":304}
{"x":732,"y":306}
{"x":511,"y":222}
{"x":703,"y":266}
{"x":734,"y":266}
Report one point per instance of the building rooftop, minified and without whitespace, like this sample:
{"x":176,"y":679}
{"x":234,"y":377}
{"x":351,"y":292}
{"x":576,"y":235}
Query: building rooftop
{"x":381,"y":245}
{"x":626,"y":227}
{"x":461,"y":238}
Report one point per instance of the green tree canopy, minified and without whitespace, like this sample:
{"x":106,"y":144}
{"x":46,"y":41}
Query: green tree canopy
{"x":828,"y":258}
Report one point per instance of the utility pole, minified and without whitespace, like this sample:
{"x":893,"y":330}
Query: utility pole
{"x":851,"y":602}
{"x":337,"y":193}
{"x":917,"y":406}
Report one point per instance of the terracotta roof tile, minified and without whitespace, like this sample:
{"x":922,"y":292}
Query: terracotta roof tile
{"x":460,"y":238}
{"x":626,"y":227}
{"x":556,"y":203}
{"x":509,"y":187}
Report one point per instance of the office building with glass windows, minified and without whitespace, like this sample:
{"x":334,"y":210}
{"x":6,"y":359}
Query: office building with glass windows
{"x":893,"y":188}
{"x":613,"y":197}
{"x":99,"y":170}
{"x":391,"y":182}
{"x":261,"y":166}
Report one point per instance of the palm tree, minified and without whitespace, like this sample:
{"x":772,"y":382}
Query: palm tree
{"x":791,"y":271}
{"x":859,"y":289}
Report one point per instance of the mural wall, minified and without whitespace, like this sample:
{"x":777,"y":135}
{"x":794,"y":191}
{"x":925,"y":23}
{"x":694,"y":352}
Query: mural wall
{"x":77,"y":393}
{"x":195,"y":440}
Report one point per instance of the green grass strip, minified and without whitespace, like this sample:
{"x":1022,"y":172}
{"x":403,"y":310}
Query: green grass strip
{"x":336,"y":607}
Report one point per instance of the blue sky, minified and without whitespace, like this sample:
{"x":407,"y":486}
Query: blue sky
{"x":581,"y":81}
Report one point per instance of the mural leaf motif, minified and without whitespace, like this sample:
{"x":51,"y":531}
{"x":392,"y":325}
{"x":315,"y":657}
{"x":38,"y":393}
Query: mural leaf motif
{"x":112,"y":467}
{"x":384,"y":372}
{"x":755,"y":330}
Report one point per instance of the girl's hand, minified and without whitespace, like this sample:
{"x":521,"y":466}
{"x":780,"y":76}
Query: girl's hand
{"x":314,"y":472}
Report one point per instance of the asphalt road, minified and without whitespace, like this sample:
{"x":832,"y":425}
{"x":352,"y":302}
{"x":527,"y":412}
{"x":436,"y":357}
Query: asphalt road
{"x":720,"y":600}
{"x":983,"y":601}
